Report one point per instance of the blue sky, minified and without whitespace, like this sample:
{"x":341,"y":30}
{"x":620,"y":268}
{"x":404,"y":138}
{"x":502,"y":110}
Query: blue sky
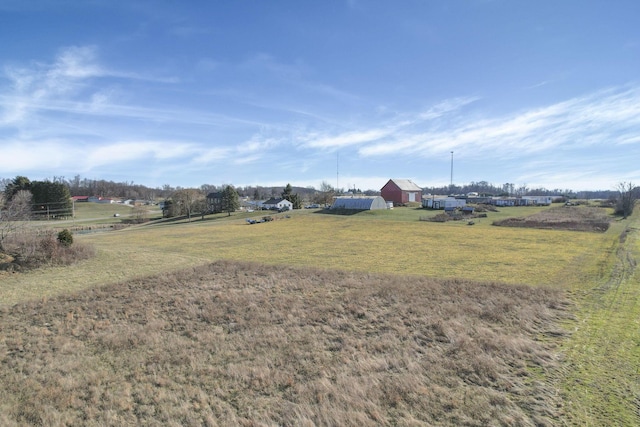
{"x":537,"y":93}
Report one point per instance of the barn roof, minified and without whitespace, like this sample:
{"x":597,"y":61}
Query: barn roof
{"x":273,"y":201}
{"x":406,"y":185}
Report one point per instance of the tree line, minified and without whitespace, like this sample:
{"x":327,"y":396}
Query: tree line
{"x":50,"y":198}
{"x":42,"y":199}
{"x":510,"y":189}
{"x":79,"y":186}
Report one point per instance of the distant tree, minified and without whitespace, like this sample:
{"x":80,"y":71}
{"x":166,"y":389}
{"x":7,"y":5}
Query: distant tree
{"x":230,"y":201}
{"x":201,"y":207}
{"x":508,"y":189}
{"x":628,"y":194}
{"x":208,"y":188}
{"x":186,"y":199}
{"x":294,"y":198}
{"x":16,"y":184}
{"x":52,"y":199}
{"x":325,"y":195}
{"x":3,"y":183}
{"x":522,"y":190}
{"x":170,"y":209}
{"x":13,"y":214}
{"x":140,"y":214}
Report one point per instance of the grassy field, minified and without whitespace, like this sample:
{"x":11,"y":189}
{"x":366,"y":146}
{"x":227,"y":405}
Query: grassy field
{"x":597,"y":382}
{"x":363,"y":242}
{"x":246,"y":344}
{"x":601,"y":376}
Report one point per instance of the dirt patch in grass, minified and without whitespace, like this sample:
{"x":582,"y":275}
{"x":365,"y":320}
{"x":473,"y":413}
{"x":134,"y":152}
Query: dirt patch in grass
{"x":245,"y":344}
{"x":576,"y":218}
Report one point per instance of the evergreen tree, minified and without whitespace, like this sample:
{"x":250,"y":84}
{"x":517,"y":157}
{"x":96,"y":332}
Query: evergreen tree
{"x":169,"y":209}
{"x":294,"y":198}
{"x":17,"y":184}
{"x":230,"y":201}
{"x":52,"y":199}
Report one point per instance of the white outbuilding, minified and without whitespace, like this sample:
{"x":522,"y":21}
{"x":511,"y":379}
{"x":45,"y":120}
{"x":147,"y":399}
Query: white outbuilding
{"x":443,"y":203}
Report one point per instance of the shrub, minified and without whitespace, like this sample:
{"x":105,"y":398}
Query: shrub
{"x":35,"y":250}
{"x":65,"y":238}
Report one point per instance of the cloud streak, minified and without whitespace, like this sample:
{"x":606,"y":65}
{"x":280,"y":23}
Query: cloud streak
{"x":63,"y":85}
{"x":74,"y":110}
{"x":607,"y":117}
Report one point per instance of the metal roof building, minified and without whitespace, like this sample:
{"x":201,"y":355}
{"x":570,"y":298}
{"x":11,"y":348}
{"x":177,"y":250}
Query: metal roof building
{"x":364,"y":203}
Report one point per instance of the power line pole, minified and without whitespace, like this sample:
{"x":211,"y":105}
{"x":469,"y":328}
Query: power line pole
{"x":451,"y":184}
{"x":337,"y":171}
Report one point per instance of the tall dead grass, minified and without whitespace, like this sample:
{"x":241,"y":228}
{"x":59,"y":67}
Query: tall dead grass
{"x":34,"y":250}
{"x":576,"y":218}
{"x":245,"y":344}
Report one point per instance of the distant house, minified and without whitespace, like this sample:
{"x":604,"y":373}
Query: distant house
{"x":280,"y":203}
{"x":96,"y":199}
{"x":214,"y":202}
{"x":401,"y":191}
{"x":363,"y":203}
{"x":510,"y":201}
{"x":80,"y":198}
{"x":539,"y":200}
{"x":135,"y":202}
{"x":446,"y":203}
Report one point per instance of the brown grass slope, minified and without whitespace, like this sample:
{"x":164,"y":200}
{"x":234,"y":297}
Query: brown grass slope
{"x":244,"y":344}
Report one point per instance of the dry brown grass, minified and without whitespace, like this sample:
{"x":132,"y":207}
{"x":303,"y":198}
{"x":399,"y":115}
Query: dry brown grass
{"x":28,"y":251}
{"x":563,"y":218}
{"x":243,"y":344}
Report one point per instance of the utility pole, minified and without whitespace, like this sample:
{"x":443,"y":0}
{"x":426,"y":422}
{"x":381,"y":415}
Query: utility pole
{"x":451,"y":184}
{"x":337,"y":171}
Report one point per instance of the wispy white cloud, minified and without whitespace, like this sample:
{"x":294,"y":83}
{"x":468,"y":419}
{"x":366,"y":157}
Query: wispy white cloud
{"x":74,"y":110}
{"x":60,"y":85}
{"x":206,"y":156}
{"x":47,"y":154}
{"x":131,"y":151}
{"x":446,"y":106}
{"x":348,"y":138}
{"x":603,"y":118}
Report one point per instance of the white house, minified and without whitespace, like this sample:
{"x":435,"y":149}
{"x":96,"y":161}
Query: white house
{"x":277,"y":204}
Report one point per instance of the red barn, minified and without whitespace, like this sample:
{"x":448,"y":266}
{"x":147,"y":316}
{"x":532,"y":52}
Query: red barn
{"x":401,"y":191}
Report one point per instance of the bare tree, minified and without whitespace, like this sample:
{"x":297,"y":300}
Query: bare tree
{"x":200,"y":206}
{"x":140,"y":214}
{"x":187,"y":199}
{"x":628,"y":194}
{"x":13,"y":214}
{"x":326,"y":194}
